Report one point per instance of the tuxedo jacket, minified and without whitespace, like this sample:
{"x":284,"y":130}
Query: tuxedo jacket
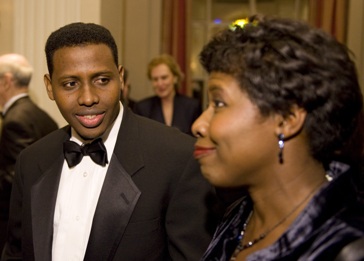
{"x":23,"y":124}
{"x":153,"y":204}
{"x":185,"y":111}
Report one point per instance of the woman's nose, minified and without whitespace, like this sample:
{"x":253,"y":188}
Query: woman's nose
{"x":200,"y":126}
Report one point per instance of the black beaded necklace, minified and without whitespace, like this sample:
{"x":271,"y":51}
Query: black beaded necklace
{"x":241,"y":247}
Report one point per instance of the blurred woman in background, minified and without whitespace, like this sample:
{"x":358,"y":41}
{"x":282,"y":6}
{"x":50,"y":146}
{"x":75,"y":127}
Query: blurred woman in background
{"x":168,"y":106}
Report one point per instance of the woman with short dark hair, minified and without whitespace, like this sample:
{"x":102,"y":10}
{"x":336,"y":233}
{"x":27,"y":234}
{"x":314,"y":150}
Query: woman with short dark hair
{"x":284,"y":109}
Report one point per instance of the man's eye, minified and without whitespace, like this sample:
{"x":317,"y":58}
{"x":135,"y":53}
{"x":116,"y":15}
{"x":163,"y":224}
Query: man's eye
{"x":103,"y":80}
{"x":70,"y":84}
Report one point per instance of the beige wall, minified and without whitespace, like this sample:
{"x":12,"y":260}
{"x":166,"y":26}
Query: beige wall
{"x":112,"y":17}
{"x":141,"y":42}
{"x":6,"y":26}
{"x":135,"y":25}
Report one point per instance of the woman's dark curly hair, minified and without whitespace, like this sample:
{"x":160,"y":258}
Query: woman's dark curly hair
{"x":280,"y":63}
{"x":78,"y":34}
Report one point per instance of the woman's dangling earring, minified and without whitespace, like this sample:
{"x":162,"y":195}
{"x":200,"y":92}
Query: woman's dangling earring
{"x":281,"y":146}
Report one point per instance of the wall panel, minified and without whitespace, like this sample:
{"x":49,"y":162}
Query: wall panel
{"x":355,"y":38}
{"x":34,"y":20}
{"x":142,"y":41}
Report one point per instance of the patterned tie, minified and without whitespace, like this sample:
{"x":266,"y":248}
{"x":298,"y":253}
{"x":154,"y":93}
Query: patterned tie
{"x":74,"y":153}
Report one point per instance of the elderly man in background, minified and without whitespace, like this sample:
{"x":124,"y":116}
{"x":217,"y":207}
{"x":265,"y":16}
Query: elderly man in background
{"x":23,"y":122}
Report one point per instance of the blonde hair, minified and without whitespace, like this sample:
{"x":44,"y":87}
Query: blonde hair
{"x":172,"y":65}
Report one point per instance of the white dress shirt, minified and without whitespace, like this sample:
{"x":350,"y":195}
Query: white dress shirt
{"x":78,"y":194}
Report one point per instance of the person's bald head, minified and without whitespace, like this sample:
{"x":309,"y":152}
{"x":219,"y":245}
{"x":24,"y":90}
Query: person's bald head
{"x":17,"y":67}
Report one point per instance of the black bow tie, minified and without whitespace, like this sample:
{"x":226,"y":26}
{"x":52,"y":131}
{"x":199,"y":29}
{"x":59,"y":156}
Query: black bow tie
{"x":74,"y":153}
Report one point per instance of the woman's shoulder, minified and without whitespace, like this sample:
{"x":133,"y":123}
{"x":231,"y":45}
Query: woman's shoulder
{"x":143,"y":106}
{"x":147,"y":100}
{"x":185,"y":98}
{"x":188,"y":102}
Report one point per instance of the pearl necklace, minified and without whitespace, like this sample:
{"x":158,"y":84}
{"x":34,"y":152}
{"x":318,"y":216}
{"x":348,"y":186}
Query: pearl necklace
{"x":241,"y":247}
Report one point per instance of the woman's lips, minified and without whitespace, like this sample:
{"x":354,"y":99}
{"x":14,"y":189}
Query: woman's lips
{"x":200,"y":151}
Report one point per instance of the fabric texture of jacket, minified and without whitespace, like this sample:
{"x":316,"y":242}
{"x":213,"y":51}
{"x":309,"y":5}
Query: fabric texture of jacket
{"x":22,"y":125}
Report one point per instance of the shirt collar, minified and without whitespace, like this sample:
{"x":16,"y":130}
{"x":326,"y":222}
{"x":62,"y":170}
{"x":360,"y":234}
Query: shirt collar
{"x":12,"y":101}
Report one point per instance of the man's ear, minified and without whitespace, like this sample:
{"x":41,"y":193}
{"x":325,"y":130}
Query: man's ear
{"x":292,"y":124}
{"x":8,"y":79}
{"x":48,"y":84}
{"x":121,"y":76}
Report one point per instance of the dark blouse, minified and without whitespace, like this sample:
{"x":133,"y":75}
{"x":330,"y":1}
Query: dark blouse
{"x":333,"y":218}
{"x":185,"y":111}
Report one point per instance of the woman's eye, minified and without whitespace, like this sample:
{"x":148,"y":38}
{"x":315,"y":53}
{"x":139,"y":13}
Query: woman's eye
{"x":218,"y":104}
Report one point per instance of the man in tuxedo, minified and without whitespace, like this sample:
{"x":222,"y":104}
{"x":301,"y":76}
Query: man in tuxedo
{"x":131,"y":191}
{"x":23,"y":123}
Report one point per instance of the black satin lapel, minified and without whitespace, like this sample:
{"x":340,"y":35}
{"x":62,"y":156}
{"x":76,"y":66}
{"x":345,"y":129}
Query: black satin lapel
{"x":43,"y":201}
{"x":118,"y":198}
{"x":128,"y":147}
